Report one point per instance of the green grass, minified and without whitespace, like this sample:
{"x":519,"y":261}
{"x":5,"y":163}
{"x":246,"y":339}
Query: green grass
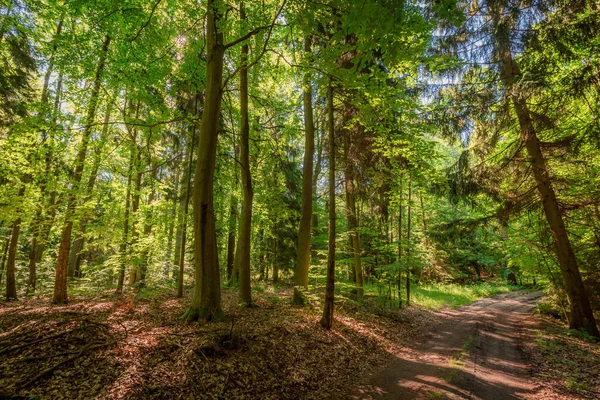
{"x":438,"y":296}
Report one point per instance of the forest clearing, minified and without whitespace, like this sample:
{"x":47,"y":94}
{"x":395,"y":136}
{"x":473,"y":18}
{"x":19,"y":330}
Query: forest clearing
{"x":300,"y":199}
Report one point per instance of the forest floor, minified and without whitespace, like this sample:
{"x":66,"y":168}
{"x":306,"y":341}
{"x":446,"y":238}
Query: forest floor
{"x":137,"y":347}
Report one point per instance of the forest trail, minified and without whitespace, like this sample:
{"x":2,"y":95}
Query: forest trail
{"x":475,"y":353}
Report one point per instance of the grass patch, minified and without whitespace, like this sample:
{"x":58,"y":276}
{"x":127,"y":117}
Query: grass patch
{"x":438,"y":296}
{"x":454,"y":295}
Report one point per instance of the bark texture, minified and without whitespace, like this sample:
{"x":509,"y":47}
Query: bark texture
{"x":206,"y":301}
{"x":328,"y":309}
{"x":303,"y":264}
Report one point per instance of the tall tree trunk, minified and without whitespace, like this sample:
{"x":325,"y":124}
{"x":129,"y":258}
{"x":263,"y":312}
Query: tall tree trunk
{"x":186,"y":202}
{"x":353,"y":235}
{"x":181,"y":197}
{"x":145,"y":258}
{"x":327,"y":320}
{"x":275,"y":261}
{"x":242,"y":256}
{"x":400,"y":212}
{"x":408,"y":222}
{"x":171,"y":225}
{"x":303,"y":264}
{"x":135,"y":205}
{"x":38,"y":220}
{"x":231,"y":237}
{"x":53,"y":201}
{"x":582,"y":315}
{"x":317,"y":172}
{"x":5,"y":254}
{"x":11,"y":284}
{"x":60,"y":281}
{"x":206,"y":302}
{"x":125,"y":239}
{"x":231,"y":268}
{"x":75,"y":255}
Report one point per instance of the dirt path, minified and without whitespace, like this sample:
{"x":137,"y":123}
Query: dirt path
{"x":475,"y":353}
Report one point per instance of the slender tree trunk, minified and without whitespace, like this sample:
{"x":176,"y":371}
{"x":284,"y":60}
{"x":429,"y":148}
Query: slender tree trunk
{"x":582,"y":315}
{"x":171,"y":226}
{"x":352,"y":219}
{"x":135,"y":205}
{"x":317,"y":172}
{"x":5,"y":254}
{"x":145,"y":258}
{"x":231,"y":238}
{"x":400,"y":212}
{"x":11,"y":284}
{"x":76,"y":255}
{"x":38,"y":220}
{"x":125,"y":239}
{"x":275,"y":261}
{"x":232,"y":270}
{"x":206,"y":301}
{"x":181,"y":197}
{"x":328,"y":309}
{"x":303,"y":264}
{"x":242,"y":256}
{"x":186,"y":202}
{"x":60,"y":282}
{"x":408,"y":260}
{"x":52,"y":204}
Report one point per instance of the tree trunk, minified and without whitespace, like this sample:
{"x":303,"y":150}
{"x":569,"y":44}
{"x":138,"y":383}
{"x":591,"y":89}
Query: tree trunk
{"x":317,"y":172}
{"x":582,"y":315}
{"x":352,"y":219}
{"x":11,"y":284}
{"x":171,"y":225}
{"x":231,"y":237}
{"x":38,"y":220}
{"x":275,"y":261}
{"x":303,"y":264}
{"x":5,"y":254}
{"x":60,"y":282}
{"x":48,"y":220}
{"x":206,"y":302}
{"x":233,"y":274}
{"x":400,"y":212}
{"x":135,"y":205}
{"x":408,"y":222}
{"x":145,"y":258}
{"x":328,"y":309}
{"x":186,"y":203}
{"x":242,"y":256}
{"x":125,"y":239}
{"x":75,"y":255}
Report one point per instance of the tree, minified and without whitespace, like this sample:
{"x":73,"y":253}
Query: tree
{"x":327,"y":319}
{"x":582,"y":315}
{"x":301,"y":272}
{"x":242,"y":256}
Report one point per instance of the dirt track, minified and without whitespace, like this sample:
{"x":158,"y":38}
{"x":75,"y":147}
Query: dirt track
{"x":474,"y":353}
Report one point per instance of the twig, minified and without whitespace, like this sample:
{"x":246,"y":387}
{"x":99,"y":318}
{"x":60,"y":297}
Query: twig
{"x":50,"y":370}
{"x":20,"y":346}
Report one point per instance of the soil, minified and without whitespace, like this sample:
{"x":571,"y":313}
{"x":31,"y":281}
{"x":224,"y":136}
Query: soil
{"x":475,"y":352}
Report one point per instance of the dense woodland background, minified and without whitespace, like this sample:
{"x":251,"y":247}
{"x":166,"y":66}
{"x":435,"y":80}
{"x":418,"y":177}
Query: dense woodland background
{"x":383,"y":144}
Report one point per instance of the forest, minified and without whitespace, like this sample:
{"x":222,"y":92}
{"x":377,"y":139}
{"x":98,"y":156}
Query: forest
{"x":279,"y":198}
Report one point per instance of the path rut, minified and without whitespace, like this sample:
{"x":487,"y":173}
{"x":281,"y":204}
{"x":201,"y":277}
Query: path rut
{"x":474,"y":353}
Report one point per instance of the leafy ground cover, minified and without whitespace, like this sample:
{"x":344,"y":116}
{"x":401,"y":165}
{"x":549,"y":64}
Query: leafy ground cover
{"x":565,"y":362}
{"x":137,"y":347}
